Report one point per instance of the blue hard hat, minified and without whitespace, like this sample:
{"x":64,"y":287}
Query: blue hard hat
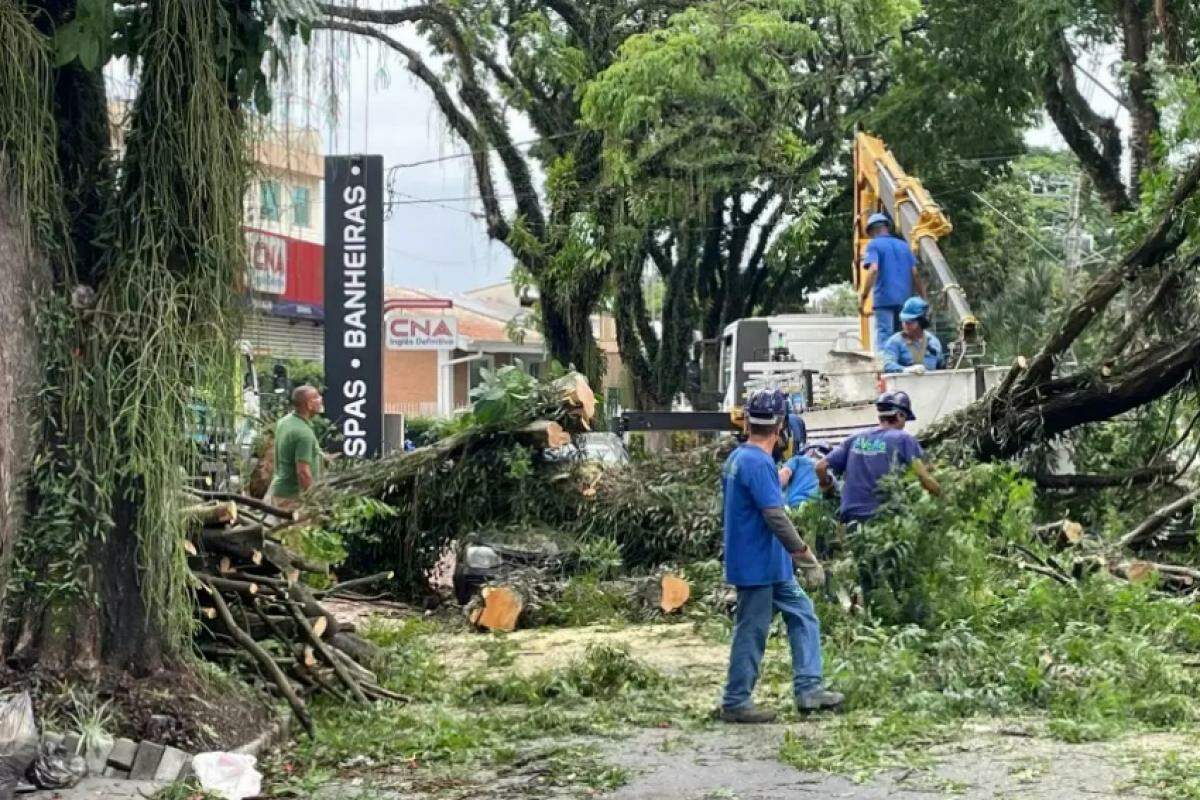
{"x":891,"y":402}
{"x":914,"y":308}
{"x":878,"y":218}
{"x":766,"y":407}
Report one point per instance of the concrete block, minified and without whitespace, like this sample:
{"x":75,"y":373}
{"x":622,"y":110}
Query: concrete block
{"x":113,"y":772}
{"x":145,"y":763}
{"x":52,"y":738}
{"x":172,"y":763}
{"x":70,"y":743}
{"x":97,"y":755}
{"x":122,"y":754}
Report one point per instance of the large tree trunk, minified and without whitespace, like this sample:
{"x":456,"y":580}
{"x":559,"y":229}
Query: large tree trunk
{"x":22,"y":278}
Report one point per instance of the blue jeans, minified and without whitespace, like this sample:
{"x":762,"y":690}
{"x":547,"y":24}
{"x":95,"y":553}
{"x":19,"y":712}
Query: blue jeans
{"x":887,"y":322}
{"x":756,"y":607}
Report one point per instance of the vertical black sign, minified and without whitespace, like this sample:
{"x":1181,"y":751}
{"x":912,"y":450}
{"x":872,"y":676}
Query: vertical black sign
{"x":354,"y":301}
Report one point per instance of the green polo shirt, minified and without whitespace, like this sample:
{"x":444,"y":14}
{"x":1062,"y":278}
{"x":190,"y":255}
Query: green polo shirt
{"x":294,"y":442}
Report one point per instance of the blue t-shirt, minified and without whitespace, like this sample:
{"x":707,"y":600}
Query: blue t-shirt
{"x":894,"y":264}
{"x":753,"y":556}
{"x":897,"y":355}
{"x":865,"y":458}
{"x":803,"y":485}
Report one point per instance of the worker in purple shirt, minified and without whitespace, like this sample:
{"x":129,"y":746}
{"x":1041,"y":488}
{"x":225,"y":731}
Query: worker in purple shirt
{"x":890,"y":278}
{"x":864,"y":458}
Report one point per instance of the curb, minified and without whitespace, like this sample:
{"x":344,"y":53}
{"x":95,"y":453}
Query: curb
{"x":278,"y":731}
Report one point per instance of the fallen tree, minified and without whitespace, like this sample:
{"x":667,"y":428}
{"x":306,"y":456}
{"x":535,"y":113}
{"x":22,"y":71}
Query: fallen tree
{"x":1034,"y":404}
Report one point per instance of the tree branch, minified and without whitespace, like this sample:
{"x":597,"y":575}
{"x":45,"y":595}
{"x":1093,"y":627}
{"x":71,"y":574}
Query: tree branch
{"x":1132,"y":477}
{"x":1159,"y":243}
{"x":498,"y":227}
{"x":1070,"y":113}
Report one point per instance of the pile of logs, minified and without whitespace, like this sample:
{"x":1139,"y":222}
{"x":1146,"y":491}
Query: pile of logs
{"x":259,"y":616}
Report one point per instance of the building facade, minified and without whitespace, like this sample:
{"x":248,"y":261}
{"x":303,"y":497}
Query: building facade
{"x":284,"y":226}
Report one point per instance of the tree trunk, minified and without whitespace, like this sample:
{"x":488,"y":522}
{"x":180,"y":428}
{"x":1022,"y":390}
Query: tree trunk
{"x":567,"y":327}
{"x":22,"y":278}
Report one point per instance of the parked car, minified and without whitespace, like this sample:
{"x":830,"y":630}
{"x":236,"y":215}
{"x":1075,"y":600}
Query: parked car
{"x":600,"y":448}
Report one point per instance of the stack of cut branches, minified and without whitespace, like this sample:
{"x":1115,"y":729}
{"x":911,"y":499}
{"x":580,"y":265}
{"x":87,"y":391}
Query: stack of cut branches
{"x":257,"y":615}
{"x":1147,"y":553}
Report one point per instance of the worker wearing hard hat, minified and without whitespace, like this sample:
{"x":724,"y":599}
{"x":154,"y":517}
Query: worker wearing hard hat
{"x":762,"y":548}
{"x":914,"y":349}
{"x":890,"y":277}
{"x":862,"y":461}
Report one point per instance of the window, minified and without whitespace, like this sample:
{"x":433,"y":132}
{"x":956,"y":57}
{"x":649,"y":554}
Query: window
{"x":268,"y":200}
{"x":477,"y":366}
{"x":300,"y":206}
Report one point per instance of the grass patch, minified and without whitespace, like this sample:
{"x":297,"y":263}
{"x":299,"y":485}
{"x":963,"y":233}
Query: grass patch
{"x":1172,"y":775}
{"x":491,"y":720}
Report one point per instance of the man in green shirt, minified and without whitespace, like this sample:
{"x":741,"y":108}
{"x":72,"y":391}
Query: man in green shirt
{"x":297,"y":452}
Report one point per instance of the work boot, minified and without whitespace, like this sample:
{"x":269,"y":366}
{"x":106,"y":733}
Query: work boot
{"x":747,"y":715}
{"x":819,"y":699}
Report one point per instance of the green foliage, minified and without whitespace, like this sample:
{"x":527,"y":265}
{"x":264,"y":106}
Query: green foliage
{"x":957,"y":631}
{"x":1174,"y":775}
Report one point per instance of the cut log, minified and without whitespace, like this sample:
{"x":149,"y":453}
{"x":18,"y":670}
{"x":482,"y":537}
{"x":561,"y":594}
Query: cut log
{"x":578,"y":394}
{"x":667,"y":592}
{"x":544,"y":434}
{"x":675,"y":592}
{"x":305,"y":655}
{"x":357,"y":648}
{"x":245,"y":542}
{"x":211,"y":513}
{"x":249,"y":502}
{"x":500,"y":610}
{"x":323,"y":650}
{"x":246,"y":589}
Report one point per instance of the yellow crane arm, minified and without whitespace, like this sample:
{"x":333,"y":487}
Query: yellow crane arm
{"x":881,"y":185}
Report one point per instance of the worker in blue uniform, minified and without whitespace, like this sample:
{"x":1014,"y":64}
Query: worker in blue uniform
{"x":890,"y":277}
{"x":914,"y":349}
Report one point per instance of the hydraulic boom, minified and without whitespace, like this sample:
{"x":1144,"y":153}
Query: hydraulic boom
{"x":880,"y":184}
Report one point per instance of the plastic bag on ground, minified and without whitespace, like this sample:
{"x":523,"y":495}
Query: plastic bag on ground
{"x":230,"y":775}
{"x":18,"y":741}
{"x":55,"y":768}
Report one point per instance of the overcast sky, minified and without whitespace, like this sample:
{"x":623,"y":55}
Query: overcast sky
{"x":440,"y":245}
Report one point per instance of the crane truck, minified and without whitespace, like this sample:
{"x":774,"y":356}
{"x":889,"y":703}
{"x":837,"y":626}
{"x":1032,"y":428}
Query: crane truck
{"x":831,"y":360}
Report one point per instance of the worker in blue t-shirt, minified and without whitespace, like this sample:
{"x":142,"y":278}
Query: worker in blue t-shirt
{"x":890,"y":277}
{"x":761,"y":550}
{"x":915,"y":349}
{"x":798,"y":475}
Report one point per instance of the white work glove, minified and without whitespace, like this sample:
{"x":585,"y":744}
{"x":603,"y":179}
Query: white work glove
{"x":915,"y":369}
{"x":812,"y":574}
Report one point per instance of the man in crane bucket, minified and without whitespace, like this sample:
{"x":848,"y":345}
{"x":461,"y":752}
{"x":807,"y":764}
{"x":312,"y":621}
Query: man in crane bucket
{"x":914,"y":349}
{"x":762,"y":549}
{"x":889,"y":279}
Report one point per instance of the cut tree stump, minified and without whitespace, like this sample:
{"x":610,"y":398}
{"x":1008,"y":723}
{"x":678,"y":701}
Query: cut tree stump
{"x":501,"y":608}
{"x":545,"y":433}
{"x":669,"y":592}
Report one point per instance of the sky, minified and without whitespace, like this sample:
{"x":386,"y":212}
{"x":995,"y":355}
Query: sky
{"x":442,"y":245}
